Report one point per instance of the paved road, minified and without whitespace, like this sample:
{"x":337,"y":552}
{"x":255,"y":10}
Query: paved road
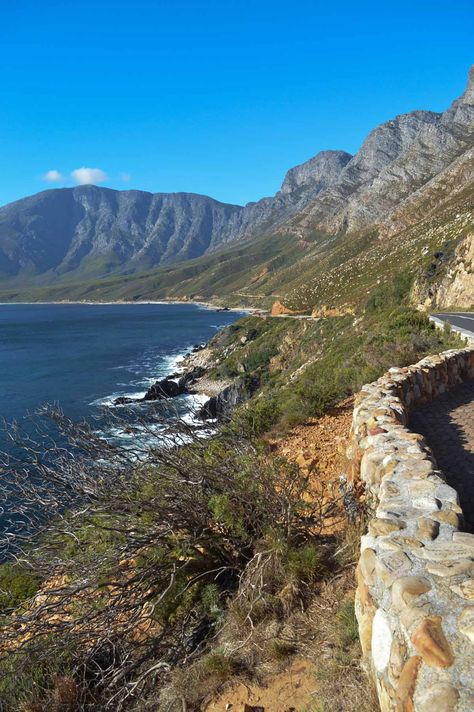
{"x":448,"y":426}
{"x":460,"y":321}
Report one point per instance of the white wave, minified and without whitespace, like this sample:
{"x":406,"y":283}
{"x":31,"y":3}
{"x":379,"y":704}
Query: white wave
{"x":109,"y":401}
{"x":196,"y":401}
{"x":174,"y":362}
{"x":140,"y":438}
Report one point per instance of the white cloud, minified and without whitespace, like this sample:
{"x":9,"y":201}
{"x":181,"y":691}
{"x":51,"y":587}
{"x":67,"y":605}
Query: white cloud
{"x":126,"y":177}
{"x":53,"y":176}
{"x":87,"y":176}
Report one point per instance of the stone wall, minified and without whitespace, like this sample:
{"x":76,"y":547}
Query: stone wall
{"x":415,"y":577}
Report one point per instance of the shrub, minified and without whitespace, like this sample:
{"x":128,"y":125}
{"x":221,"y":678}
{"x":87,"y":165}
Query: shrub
{"x":220,"y":665}
{"x":162,"y":546}
{"x":391,"y":293}
{"x":303,"y":564}
{"x":259,"y":415}
{"x":44,"y":684}
{"x":280,"y":650}
{"x":16,"y":585}
{"x":211,"y":600}
{"x":406,"y":321}
{"x":259,"y":357}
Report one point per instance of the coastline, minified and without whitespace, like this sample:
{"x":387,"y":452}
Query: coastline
{"x":141,"y":428}
{"x":200,"y":390}
{"x":129,"y":370}
{"x":204,"y":305}
{"x":202,"y":396}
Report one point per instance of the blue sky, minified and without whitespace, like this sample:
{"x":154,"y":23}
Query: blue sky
{"x":215,"y":97}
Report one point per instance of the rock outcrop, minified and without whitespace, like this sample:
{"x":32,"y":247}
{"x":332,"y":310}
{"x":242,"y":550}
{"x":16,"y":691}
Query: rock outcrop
{"x":279,"y":309}
{"x":220,"y":407}
{"x":168,"y":387}
{"x":395,"y":160}
{"x":450,"y":281}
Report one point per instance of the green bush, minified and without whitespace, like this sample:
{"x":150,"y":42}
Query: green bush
{"x":220,"y":665}
{"x":259,"y":416}
{"x":259,"y":357}
{"x":224,"y":514}
{"x":303,"y":564}
{"x":211,"y":600}
{"x":391,"y":293}
{"x":280,"y":650}
{"x":16,"y":585}
{"x":406,"y":321}
{"x":28,"y":677}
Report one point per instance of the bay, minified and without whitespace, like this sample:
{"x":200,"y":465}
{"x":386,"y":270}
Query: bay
{"x":83,"y":356}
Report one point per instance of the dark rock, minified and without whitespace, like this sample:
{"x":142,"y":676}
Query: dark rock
{"x":190,"y":377}
{"x":198,"y":635}
{"x":169,"y":387}
{"x":166,"y":388}
{"x":220,"y":407}
{"x":209,"y":410}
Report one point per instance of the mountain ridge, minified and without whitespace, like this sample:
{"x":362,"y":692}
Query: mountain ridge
{"x":403,"y":167}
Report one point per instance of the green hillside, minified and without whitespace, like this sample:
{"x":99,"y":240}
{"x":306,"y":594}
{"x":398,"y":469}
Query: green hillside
{"x":321,"y":270}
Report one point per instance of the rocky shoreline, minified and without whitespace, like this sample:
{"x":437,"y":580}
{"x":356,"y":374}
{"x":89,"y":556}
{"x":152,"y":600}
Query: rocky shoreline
{"x":192,"y":378}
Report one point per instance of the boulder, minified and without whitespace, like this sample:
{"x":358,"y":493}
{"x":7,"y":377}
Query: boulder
{"x":166,"y":388}
{"x":220,"y":407}
{"x":123,"y":400}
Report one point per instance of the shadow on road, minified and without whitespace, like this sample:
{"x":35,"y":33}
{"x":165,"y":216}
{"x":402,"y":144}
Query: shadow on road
{"x":447,"y":423}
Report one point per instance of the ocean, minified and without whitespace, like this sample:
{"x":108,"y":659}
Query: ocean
{"x":81,"y":357}
{"x":84,"y":356}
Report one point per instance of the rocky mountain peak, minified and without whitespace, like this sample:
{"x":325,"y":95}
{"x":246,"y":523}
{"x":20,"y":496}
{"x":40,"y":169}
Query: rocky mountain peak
{"x":324,"y":168}
{"x":468,"y":96}
{"x":386,"y":142}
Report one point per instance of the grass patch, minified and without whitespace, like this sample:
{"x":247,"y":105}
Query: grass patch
{"x":281,"y":650}
{"x":219,"y":665}
{"x":349,"y":631}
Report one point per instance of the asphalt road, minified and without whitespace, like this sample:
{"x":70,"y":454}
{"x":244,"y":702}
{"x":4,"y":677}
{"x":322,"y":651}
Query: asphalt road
{"x":461,"y":321}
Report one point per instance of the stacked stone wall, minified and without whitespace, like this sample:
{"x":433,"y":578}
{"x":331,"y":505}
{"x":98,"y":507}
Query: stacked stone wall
{"x":415,"y":577}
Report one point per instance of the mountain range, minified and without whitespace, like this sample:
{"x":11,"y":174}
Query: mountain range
{"x":94,"y":242}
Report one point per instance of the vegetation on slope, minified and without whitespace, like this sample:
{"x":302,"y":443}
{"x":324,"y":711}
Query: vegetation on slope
{"x":209,"y":560}
{"x":302,"y":367}
{"x":161,"y":561}
{"x":305,"y":273}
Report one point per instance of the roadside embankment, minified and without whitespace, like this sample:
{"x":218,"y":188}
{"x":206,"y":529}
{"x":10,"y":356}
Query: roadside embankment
{"x":415,"y":576}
